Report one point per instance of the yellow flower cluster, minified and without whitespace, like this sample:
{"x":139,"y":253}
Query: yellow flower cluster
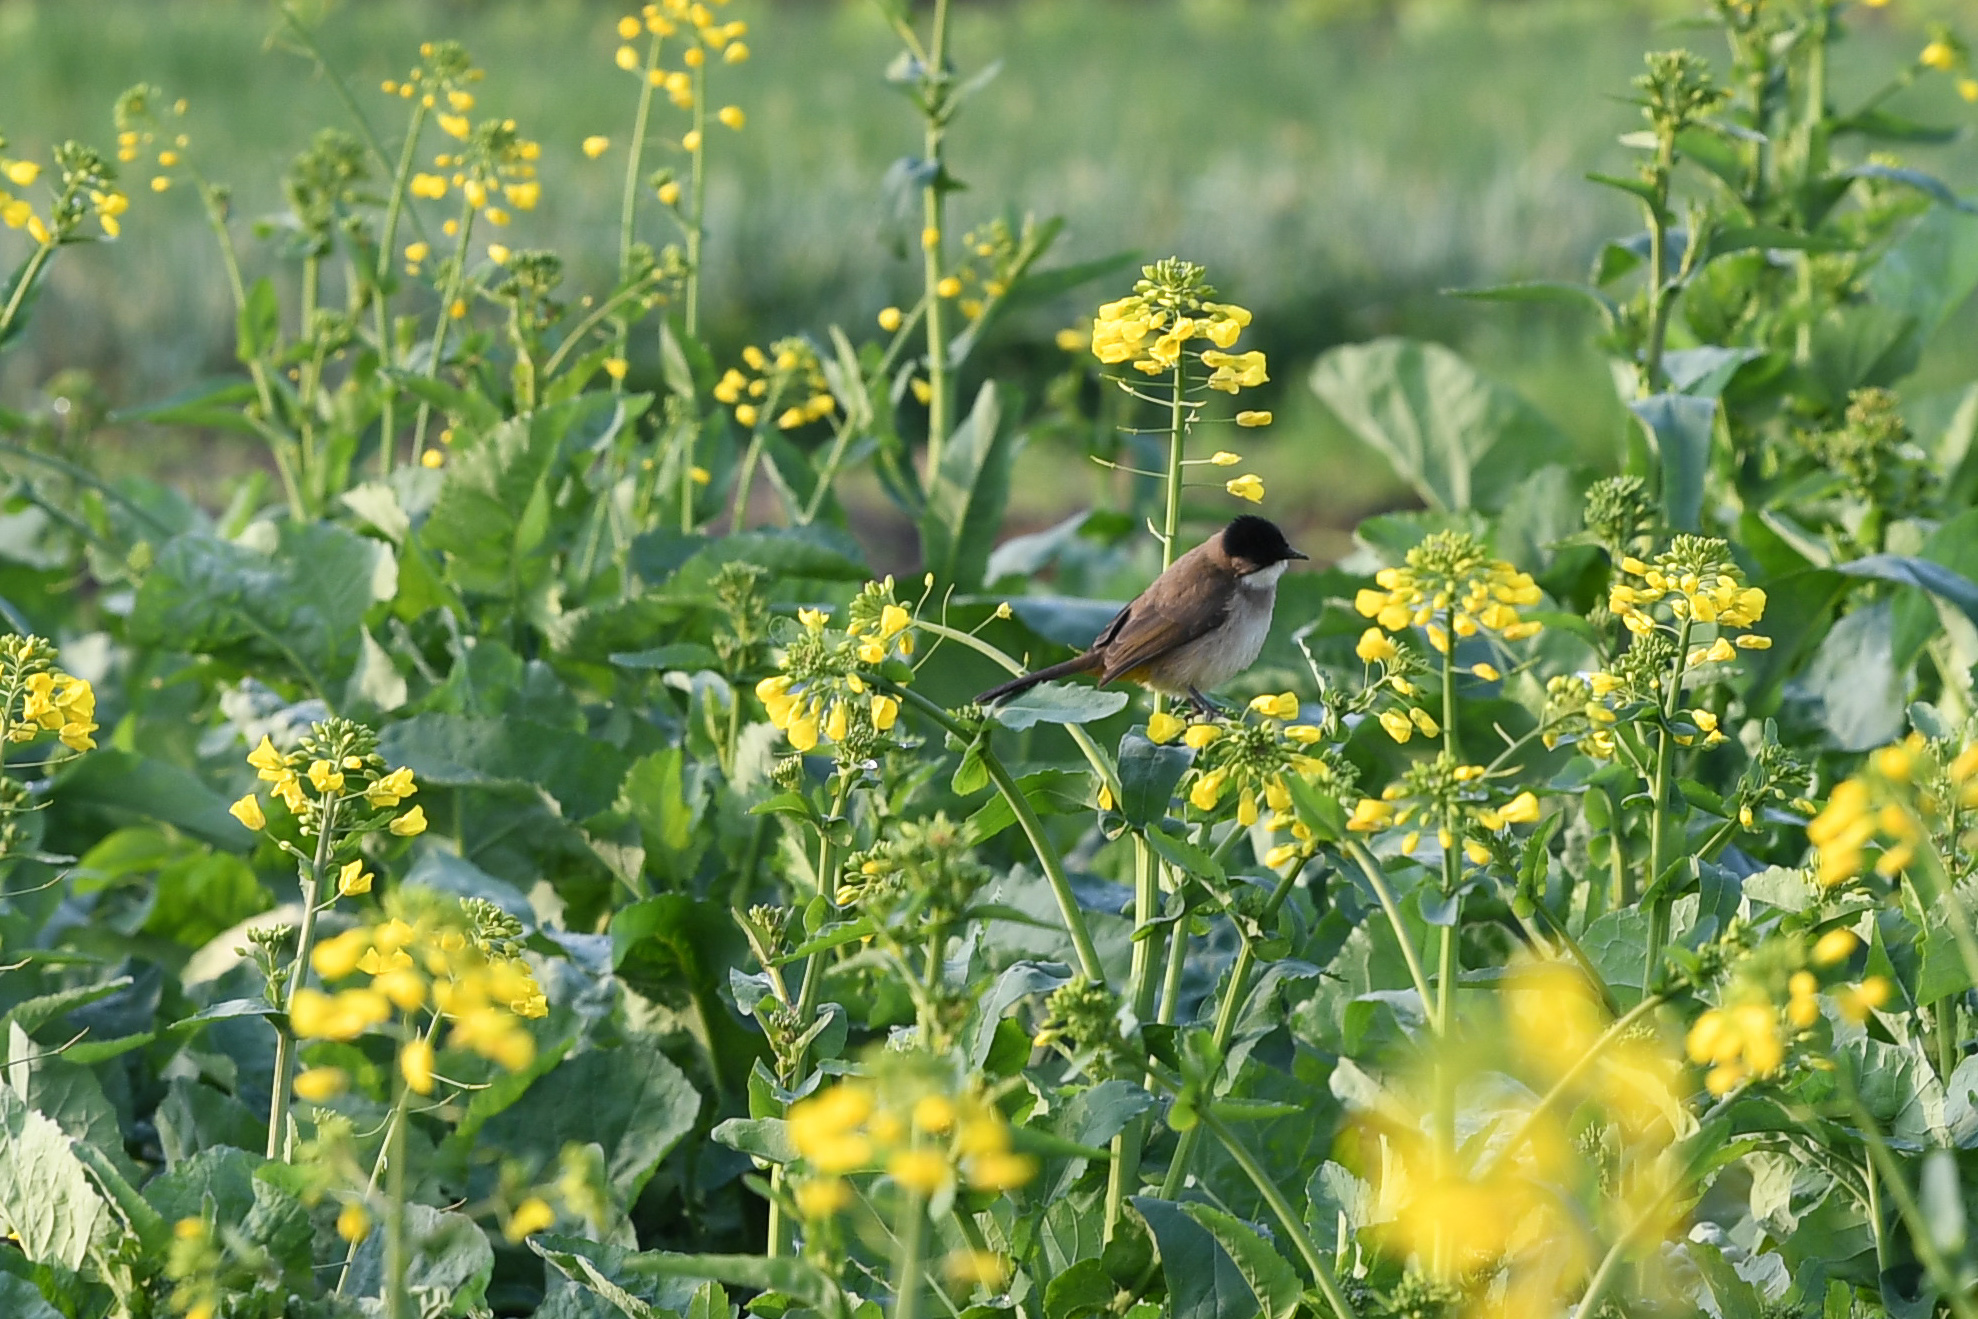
{"x":1737,"y":1042}
{"x":786,"y":383}
{"x":819,"y":694}
{"x":1450,"y":798}
{"x":1901,"y":795}
{"x":705,"y":37}
{"x":1695,"y":582}
{"x":924,"y":1139}
{"x":1527,"y":1218}
{"x":494,"y":164}
{"x":39,"y":698}
{"x":1449,"y":583}
{"x":1250,"y":760}
{"x":60,"y":703}
{"x":432,"y":969}
{"x":1138,"y":332}
{"x":356,"y":788}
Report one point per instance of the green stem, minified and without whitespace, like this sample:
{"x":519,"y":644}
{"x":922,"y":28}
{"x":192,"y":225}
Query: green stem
{"x":907,"y":1278}
{"x":279,"y":1145}
{"x":1287,"y":1217}
{"x":1571,"y":1076}
{"x":29,"y":274}
{"x":1234,"y":997}
{"x":1921,"y":1239}
{"x":1658,"y":821}
{"x":697,"y":227}
{"x":1123,"y":1174}
{"x":628,"y":202}
{"x":1033,"y":829}
{"x":1370,"y":867}
{"x":1658,"y":284}
{"x":456,"y":276}
{"x":933,"y":196}
{"x":380,"y":304}
{"x":398,"y":1256}
{"x":1604,"y":1275}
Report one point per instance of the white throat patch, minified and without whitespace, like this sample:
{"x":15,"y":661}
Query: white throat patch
{"x":1264,"y":579}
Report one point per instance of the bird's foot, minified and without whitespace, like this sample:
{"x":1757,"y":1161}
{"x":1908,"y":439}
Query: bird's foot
{"x":1205,"y":706}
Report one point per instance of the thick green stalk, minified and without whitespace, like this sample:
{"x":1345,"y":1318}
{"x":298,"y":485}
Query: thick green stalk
{"x":933,"y":198}
{"x":1921,"y":1239}
{"x":279,"y":1145}
{"x":29,"y":274}
{"x":1658,"y":256}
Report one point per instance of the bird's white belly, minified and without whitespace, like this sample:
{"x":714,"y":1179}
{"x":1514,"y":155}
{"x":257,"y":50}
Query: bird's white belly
{"x":1213,"y":660}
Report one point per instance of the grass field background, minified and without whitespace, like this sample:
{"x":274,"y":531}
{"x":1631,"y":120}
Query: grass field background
{"x":1334,"y":174}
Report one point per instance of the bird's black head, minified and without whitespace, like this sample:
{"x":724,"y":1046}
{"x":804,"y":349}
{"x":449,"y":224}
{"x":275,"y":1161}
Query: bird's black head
{"x":1255,"y":543}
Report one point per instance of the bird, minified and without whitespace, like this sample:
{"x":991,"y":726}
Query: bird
{"x":1201,"y":623}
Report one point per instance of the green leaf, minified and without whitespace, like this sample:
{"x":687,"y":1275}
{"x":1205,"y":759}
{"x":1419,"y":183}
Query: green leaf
{"x":1679,"y":426}
{"x":1058,"y":703}
{"x":209,"y":405}
{"x":1930,"y":270}
{"x":794,"y":1278}
{"x":631,"y":1100}
{"x":1203,"y":1281}
{"x":581,"y":775}
{"x":485,"y":499}
{"x":1148,"y":774}
{"x":1556,"y":293}
{"x":1853,"y":677}
{"x":1083,"y":1289}
{"x":1183,"y":855}
{"x":1705,"y":372}
{"x":690,"y":656}
{"x":31,"y":1014}
{"x":451,"y":1262}
{"x":1049,"y":792}
{"x":765,"y":1138}
{"x":1460,"y":439}
{"x":297,"y":605}
{"x":1317,"y":808}
{"x":21,"y":1299}
{"x":258,"y":324}
{"x":965,"y":506}
{"x":1274,"y":1282}
{"x":47,"y":1198}
{"x":123,"y":786}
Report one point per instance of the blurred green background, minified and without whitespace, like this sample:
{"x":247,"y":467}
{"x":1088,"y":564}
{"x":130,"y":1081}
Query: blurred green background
{"x":1335,"y":163}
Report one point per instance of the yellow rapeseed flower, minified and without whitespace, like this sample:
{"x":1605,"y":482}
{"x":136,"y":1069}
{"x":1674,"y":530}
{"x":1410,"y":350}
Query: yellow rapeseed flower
{"x":1249,"y":486}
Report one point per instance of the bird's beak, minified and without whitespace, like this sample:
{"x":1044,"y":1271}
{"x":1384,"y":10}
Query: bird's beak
{"x":1300,"y":554}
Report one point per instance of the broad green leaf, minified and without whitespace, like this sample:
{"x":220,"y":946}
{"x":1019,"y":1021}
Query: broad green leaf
{"x":1704,"y":372}
{"x":1058,"y":703}
{"x":1679,"y":426}
{"x":1942,"y":1202}
{"x":1148,"y":773}
{"x":1857,"y":346}
{"x":297,"y":604}
{"x":630,"y":1099}
{"x":1460,"y":439}
{"x":450,"y":1268}
{"x":485,"y":499}
{"x":210,"y":405}
{"x":1183,"y":855}
{"x":965,"y":505}
{"x":1275,"y":1283}
{"x":763,"y":1137}
{"x":596,"y":1270}
{"x":1203,"y":1281}
{"x":1556,"y":293}
{"x":195,"y":1117}
{"x":1049,"y":792}
{"x":579,"y":774}
{"x":21,"y":1299}
{"x":1083,"y":1289}
{"x":125,"y":786}
{"x":1931,"y":269}
{"x":1854,"y":679}
{"x":47,"y":1199}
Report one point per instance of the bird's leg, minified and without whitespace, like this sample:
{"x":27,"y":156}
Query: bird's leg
{"x":1203,"y":705}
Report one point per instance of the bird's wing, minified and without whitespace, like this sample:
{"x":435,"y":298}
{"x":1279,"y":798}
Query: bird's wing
{"x":1175,"y":610}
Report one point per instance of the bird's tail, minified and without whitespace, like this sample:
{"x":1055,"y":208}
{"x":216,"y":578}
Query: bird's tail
{"x":1076,"y":664}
